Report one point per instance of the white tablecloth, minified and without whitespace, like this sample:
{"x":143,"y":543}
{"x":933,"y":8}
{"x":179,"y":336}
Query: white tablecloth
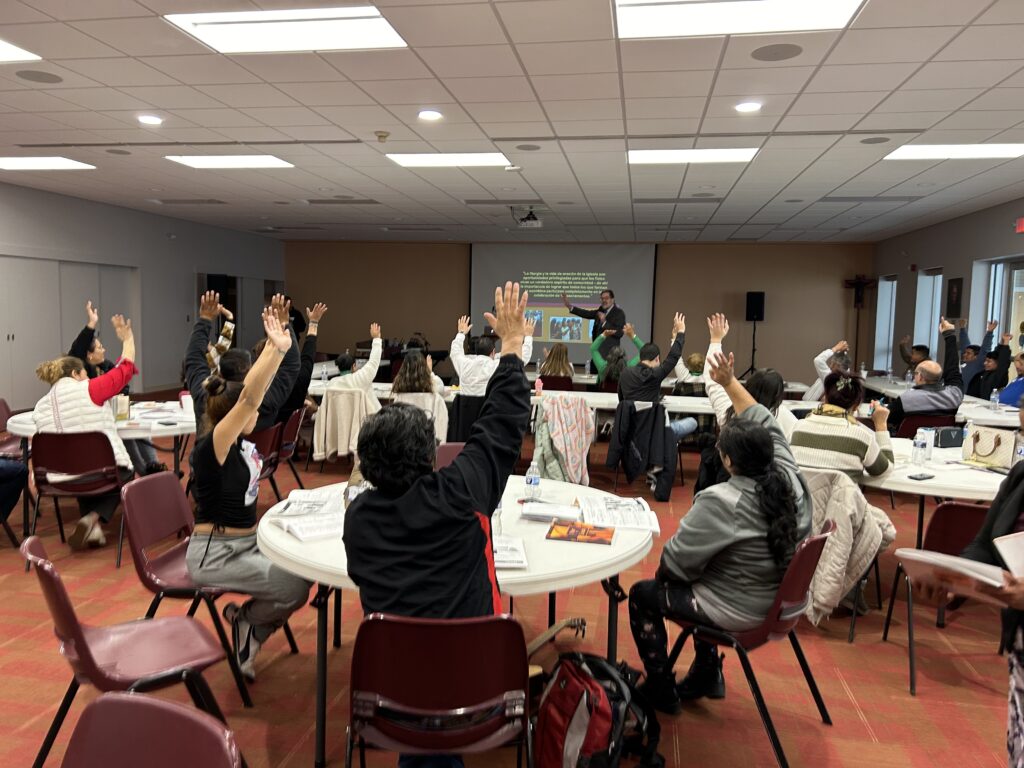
{"x":147,"y":420}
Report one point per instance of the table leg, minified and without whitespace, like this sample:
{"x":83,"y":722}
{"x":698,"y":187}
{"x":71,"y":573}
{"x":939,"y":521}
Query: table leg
{"x":337,"y":617}
{"x":613,"y":619}
{"x":177,"y":455}
{"x":323,"y":597}
{"x":551,"y":609}
{"x":26,"y":524}
{"x":920,"y":521}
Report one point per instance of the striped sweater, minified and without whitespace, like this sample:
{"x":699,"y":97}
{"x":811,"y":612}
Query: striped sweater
{"x":830,"y":439}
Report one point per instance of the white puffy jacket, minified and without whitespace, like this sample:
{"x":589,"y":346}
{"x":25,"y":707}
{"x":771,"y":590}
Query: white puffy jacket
{"x":67,"y":407}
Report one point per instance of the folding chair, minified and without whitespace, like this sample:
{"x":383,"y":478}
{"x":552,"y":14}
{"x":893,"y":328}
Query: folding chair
{"x":268,"y":444}
{"x":557,"y":383}
{"x":290,"y":440}
{"x":446,"y":454}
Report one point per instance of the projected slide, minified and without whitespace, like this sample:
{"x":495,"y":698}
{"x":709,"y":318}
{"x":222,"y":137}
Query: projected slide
{"x":580,"y":271}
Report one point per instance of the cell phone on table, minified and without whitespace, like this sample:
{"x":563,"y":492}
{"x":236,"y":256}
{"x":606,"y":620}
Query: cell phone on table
{"x":921,"y":476}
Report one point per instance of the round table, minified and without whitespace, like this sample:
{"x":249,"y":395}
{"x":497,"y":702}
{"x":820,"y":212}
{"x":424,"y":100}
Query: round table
{"x":553,"y":566}
{"x":147,"y":420}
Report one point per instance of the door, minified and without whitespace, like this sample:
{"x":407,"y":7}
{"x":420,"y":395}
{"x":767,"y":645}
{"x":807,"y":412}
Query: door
{"x":33,"y":322}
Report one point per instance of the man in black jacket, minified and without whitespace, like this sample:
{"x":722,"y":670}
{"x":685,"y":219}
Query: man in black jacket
{"x":609,"y":316}
{"x":419,"y":542}
{"x":996,"y":373}
{"x":936,"y":391}
{"x":297,"y":397}
{"x":642,"y":382}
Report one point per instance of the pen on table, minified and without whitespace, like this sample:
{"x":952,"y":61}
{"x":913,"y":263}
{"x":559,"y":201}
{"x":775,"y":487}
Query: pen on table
{"x":285,"y":507}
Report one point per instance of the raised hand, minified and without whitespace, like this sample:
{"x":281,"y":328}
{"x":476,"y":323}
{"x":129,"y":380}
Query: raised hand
{"x":565,"y":300}
{"x":608,"y":333}
{"x":600,"y":318}
{"x":678,"y":324}
{"x":905,"y":340}
{"x":963,"y":322}
{"x":122,"y":327}
{"x":722,"y":369}
{"x":509,"y":318}
{"x":718,"y":327}
{"x":629,"y":330}
{"x":316,"y":312}
{"x":374,"y":330}
{"x":464,"y":325}
{"x":92,"y":315}
{"x":280,"y":308}
{"x":992,"y":325}
{"x":209,"y":305}
{"x":430,"y":363}
{"x":226,"y":313}
{"x":944,"y":325}
{"x":841,"y":346}
{"x":1006,"y":338}
{"x":276,"y":333}
{"x":531,"y":325}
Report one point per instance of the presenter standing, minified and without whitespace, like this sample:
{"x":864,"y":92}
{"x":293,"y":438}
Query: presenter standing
{"x":608,"y":317}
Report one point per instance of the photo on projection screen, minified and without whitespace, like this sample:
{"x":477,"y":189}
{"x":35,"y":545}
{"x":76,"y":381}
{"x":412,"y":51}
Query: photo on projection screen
{"x":582,"y":272}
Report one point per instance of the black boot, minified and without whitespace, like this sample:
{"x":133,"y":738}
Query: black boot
{"x":660,"y":692}
{"x":705,"y":678}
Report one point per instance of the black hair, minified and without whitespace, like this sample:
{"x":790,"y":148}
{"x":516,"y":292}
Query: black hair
{"x":221,"y":397}
{"x":844,"y":391}
{"x":615,"y":364}
{"x":767,"y":387}
{"x":973,"y":347}
{"x":751,"y":450}
{"x":992,"y":355}
{"x":235,"y":364}
{"x":609,"y":291}
{"x":923,"y":349}
{"x":396,"y":447}
{"x":649,"y":351}
{"x":345,"y":362}
{"x":416,"y":342}
{"x":485,"y":345}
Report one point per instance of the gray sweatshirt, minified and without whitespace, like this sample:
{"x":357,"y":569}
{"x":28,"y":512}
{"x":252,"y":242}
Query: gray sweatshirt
{"x":721,"y":547}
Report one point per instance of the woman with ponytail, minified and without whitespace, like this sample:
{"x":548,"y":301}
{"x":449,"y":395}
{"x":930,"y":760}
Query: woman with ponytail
{"x":77,"y":403}
{"x":725,"y":563}
{"x":223,"y":552}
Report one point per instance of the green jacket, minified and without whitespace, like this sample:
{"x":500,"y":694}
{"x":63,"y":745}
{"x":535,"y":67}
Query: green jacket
{"x":601,"y":364}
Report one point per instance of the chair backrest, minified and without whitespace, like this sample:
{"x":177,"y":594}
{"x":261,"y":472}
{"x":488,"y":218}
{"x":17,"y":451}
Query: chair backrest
{"x":125,"y":730}
{"x":268,"y":443}
{"x":446,"y":453}
{"x":465,"y":410}
{"x":470,"y":674}
{"x":953,"y":526}
{"x":609,"y":385}
{"x":290,"y":434}
{"x":5,"y":414}
{"x":155,"y":508}
{"x":75,"y":648}
{"x":915,"y":421}
{"x":557,"y":383}
{"x":74,"y":453}
{"x":433,"y":405}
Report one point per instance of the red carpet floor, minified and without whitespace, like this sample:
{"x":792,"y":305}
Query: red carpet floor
{"x":957,"y":718}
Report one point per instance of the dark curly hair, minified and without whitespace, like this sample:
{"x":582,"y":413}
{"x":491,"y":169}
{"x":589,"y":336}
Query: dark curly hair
{"x":396,"y":447}
{"x":750,"y":449}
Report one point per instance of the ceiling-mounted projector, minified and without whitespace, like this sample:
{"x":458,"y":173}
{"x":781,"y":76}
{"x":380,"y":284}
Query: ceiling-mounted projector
{"x":530,"y":221}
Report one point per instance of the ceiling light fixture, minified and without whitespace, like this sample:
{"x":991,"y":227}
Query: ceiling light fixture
{"x":687,"y":18}
{"x":315,"y":29}
{"x":229,"y":161}
{"x":513,"y":168}
{"x":450,"y":160}
{"x":151,"y":120}
{"x":42,"y":164}
{"x":956,"y":152}
{"x":748,"y":106}
{"x":10,"y":52}
{"x":430,"y":115}
{"x":674,"y":156}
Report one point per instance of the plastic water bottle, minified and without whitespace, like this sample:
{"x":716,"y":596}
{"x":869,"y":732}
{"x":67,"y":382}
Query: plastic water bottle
{"x":323,"y":374}
{"x":888,"y":374}
{"x":919,"y":455}
{"x":929,"y":442}
{"x":993,"y":400}
{"x":863,"y":371}
{"x":909,"y":378}
{"x":533,"y":482}
{"x":967,"y":430}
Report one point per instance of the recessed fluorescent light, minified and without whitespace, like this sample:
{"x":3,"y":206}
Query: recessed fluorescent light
{"x":315,"y":29}
{"x":686,"y":18}
{"x":670,"y":156}
{"x":10,"y":52}
{"x":42,"y":164}
{"x":430,"y":114}
{"x":230,"y":161}
{"x":956,"y":151}
{"x":748,"y":106}
{"x":451,"y":160}
{"x":150,"y":120}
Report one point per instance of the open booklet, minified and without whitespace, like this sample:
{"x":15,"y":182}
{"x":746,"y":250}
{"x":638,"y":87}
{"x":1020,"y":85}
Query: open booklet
{"x":615,"y":512}
{"x":960,"y":575}
{"x":509,"y":552}
{"x":312,"y":514}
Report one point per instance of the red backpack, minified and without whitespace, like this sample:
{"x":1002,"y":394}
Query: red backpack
{"x":574,"y":721}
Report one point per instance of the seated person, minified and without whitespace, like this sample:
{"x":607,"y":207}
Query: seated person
{"x":1013,"y":392}
{"x":76,"y":403}
{"x":88,"y":348}
{"x":475,"y":370}
{"x":831,"y":437}
{"x":556,"y":362}
{"x":350,"y":378}
{"x":222,"y":551}
{"x":936,"y":391}
{"x":13,"y":475}
{"x":996,"y":372}
{"x":913,"y":355}
{"x":835,"y":358}
{"x":690,"y":369}
{"x":972,"y":355}
{"x":726,"y":561}
{"x":297,"y":397}
{"x":610,"y":364}
{"x":417,"y":375}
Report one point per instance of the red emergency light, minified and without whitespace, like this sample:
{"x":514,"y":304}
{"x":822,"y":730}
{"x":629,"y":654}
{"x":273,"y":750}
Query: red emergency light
{"x":1020,"y":226}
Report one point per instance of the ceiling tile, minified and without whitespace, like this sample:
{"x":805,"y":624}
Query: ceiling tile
{"x":480,"y":60}
{"x":985,"y":43}
{"x":928,"y":101}
{"x":119,"y":71}
{"x":548,"y":21}
{"x":35,"y":101}
{"x":277,"y":117}
{"x":910,"y":13}
{"x":596,"y":109}
{"x":409,"y":113}
{"x":357,"y":116}
{"x":246,"y":95}
{"x":91,"y":120}
{"x":725,"y":106}
{"x":746,"y":124}
{"x":569,"y":58}
{"x":849,"y":103}
{"x":55,"y":41}
{"x":201,"y":70}
{"x":662,"y":126}
{"x":867,"y":46}
{"x":102,"y":98}
{"x":588,"y":127}
{"x":71,"y":10}
{"x":471,"y":24}
{"x":525,"y":129}
{"x":670,"y":55}
{"x":216,"y":118}
{"x":289,"y":67}
{"x":999,"y":98}
{"x":505,"y":111}
{"x":486,"y":89}
{"x":818,"y":123}
{"x":325,"y":94}
{"x":172,"y":97}
{"x":854,"y":77}
{"x":884,"y":121}
{"x":660,"y":84}
{"x":963,"y":74}
{"x":253,"y":133}
{"x":661,"y":108}
{"x":983,"y":119}
{"x":316,"y":133}
{"x":377,"y":65}
{"x":142,"y":37}
{"x":425,"y":91}
{"x":814,"y":46}
{"x":1003,"y":12}
{"x":760,"y":82}
{"x":15,"y":12}
{"x":598,"y":86}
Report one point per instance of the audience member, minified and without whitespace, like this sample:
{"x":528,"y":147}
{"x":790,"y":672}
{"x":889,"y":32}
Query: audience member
{"x":556,"y":362}
{"x":297,"y":397}
{"x":76,"y":403}
{"x":834,"y":359}
{"x":417,"y":375}
{"x":996,"y":372}
{"x":972,"y":355}
{"x":223,"y":552}
{"x":609,"y":367}
{"x":475,"y":370}
{"x":351,"y":378}
{"x":936,"y":391}
{"x":295,"y":318}
{"x":1013,"y":392}
{"x":831,"y":437}
{"x":13,"y":475}
{"x":913,"y":355}
{"x":690,"y":369}
{"x":724,"y":564}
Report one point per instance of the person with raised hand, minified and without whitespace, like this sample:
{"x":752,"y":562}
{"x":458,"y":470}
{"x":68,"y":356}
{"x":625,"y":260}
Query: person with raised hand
{"x":937,"y":390}
{"x":834,"y":359}
{"x":972,"y":356}
{"x":307,"y":359}
{"x":726,"y":561}
{"x":350,"y":378}
{"x":995,"y":374}
{"x":222,"y":551}
{"x":475,"y":370}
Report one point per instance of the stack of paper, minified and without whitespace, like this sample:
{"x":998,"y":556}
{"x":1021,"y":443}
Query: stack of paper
{"x":632,"y":514}
{"x":509,"y":552}
{"x":312,"y":514}
{"x":545,"y":513}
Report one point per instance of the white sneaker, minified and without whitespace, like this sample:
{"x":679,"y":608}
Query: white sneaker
{"x":84,"y":531}
{"x":244,"y":641}
{"x":96,"y":537}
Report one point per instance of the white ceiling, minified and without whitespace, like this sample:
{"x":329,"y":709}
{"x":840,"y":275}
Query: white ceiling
{"x":506,"y":73}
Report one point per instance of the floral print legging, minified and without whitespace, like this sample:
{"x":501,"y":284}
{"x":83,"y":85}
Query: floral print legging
{"x":1015,"y":709}
{"x":650,"y":602}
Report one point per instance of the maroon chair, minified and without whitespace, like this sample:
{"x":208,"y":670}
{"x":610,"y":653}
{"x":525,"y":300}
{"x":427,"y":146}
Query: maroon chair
{"x":557,"y":383}
{"x":427,"y":686}
{"x":953,"y":526}
{"x":117,"y":729}
{"x":10,"y":446}
{"x":290,"y":440}
{"x":268,"y":443}
{"x":446,"y":453}
{"x":133,"y":656}
{"x":87,"y":455}
{"x":790,"y":603}
{"x":609,"y":386}
{"x":915,"y":421}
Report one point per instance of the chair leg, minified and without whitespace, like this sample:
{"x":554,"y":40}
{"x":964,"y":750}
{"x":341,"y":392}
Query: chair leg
{"x":195,"y":604}
{"x":940,"y":617}
{"x":348,"y":747}
{"x":362,"y":753}
{"x":10,"y":534}
{"x":295,"y":471}
{"x":677,"y":647}
{"x":682,"y":477}
{"x":120,"y":544}
{"x":878,"y":583}
{"x":58,"y":720}
{"x":892,"y":602}
{"x":35,"y":515}
{"x":154,"y":604}
{"x":892,"y":499}
{"x":337,"y":618}
{"x":762,"y":708}
{"x":201,"y":694}
{"x":273,"y":486}
{"x":809,"y":677}
{"x":218,"y":625}
{"x":292,"y":645}
{"x":858,"y":590}
{"x":910,"y":638}
{"x":60,"y":520}
{"x":529,"y":743}
{"x":616,"y":486}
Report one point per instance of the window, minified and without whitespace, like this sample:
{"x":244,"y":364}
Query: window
{"x":928,"y":309}
{"x":996,"y":291}
{"x":885,"y":321}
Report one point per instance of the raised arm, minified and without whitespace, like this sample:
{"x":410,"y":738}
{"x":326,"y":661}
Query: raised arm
{"x":905,"y":350}
{"x":196,"y":367}
{"x":111,"y":383}
{"x":1003,"y":363}
{"x":595,"y":354}
{"x":986,"y":342}
{"x":363,"y":378}
{"x":951,"y":375}
{"x":528,"y":342}
{"x":458,"y":350}
{"x":676,"y":350}
{"x":284,"y":380}
{"x":821,"y":360}
{"x":718,"y":329}
{"x":83,"y":341}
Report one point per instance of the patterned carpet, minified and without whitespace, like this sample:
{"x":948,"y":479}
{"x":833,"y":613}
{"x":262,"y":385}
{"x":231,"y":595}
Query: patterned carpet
{"x":957,"y":718}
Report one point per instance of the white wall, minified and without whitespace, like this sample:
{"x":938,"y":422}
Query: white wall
{"x":166,"y":252}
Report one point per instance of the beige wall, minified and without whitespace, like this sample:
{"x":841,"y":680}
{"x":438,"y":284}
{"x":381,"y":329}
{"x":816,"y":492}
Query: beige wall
{"x":806,"y":306}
